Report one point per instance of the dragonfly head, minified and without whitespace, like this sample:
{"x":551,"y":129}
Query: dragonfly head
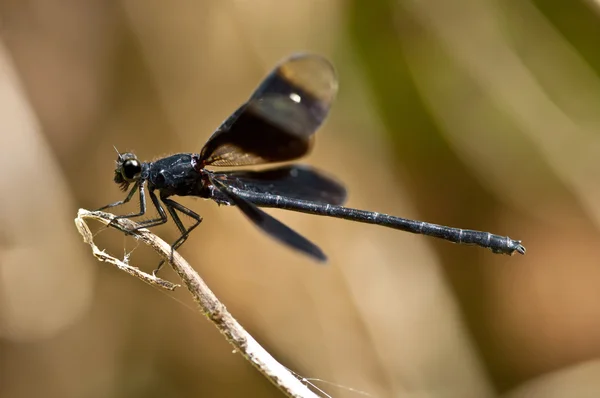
{"x":128,"y":170}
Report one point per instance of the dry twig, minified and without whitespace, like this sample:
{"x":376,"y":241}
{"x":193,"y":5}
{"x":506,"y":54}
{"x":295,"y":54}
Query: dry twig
{"x":211,"y":307}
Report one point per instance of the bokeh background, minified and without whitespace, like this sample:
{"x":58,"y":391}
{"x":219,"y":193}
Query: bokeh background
{"x":483,"y":114}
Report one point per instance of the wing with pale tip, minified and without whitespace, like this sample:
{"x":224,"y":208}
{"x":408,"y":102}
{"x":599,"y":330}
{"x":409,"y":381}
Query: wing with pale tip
{"x":278,"y":122}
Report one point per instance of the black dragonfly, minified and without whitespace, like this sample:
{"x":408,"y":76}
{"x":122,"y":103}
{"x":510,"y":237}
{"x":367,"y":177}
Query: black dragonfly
{"x":277,"y":124}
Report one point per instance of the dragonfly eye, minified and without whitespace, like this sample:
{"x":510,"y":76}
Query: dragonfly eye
{"x":131,"y":170}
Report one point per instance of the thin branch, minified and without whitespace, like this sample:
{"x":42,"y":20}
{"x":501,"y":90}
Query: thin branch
{"x":209,"y":304}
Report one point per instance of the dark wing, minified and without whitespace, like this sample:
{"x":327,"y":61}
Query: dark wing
{"x":294,"y":181}
{"x":272,"y":226}
{"x":278,"y":121}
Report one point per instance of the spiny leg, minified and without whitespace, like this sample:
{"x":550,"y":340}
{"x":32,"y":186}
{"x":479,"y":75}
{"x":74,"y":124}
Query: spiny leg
{"x":185,"y":233}
{"x":155,"y":221}
{"x":171,"y":207}
{"x":144,"y":224}
{"x":127,"y":199}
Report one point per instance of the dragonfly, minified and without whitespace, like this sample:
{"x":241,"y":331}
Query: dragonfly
{"x":276,"y":124}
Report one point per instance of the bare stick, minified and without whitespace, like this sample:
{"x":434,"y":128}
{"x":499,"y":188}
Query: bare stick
{"x":211,"y":307}
{"x":101,"y":255}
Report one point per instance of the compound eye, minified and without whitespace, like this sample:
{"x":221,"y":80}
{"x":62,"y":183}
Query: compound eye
{"x":132,"y":169}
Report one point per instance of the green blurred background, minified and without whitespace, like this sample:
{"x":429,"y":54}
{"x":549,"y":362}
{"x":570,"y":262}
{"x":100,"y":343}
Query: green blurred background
{"x":479,"y":114}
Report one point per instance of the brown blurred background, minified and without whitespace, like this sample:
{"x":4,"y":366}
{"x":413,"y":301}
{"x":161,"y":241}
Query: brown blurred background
{"x":480,"y":114}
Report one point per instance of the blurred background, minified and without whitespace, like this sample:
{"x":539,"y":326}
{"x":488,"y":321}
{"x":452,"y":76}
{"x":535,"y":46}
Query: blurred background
{"x":480,"y":114}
